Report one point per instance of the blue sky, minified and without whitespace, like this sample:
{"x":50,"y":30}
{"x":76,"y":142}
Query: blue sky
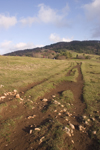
{"x":35,"y":23}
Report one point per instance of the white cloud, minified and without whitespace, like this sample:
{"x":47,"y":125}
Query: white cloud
{"x":28,"y":21}
{"x":9,"y":46}
{"x":48,"y":15}
{"x":7,"y":21}
{"x":56,"y":38}
{"x":93,"y":9}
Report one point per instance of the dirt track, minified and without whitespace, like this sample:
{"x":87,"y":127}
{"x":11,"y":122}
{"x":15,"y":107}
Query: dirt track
{"x":21,"y":139}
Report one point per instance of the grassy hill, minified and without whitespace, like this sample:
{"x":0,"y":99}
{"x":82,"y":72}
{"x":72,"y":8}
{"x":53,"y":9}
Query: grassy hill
{"x":53,"y":50}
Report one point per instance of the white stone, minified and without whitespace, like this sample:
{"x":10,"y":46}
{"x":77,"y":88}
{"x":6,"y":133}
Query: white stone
{"x":44,"y":100}
{"x":15,"y":91}
{"x":41,"y":139}
{"x":72,"y":126}
{"x":94,"y":132}
{"x":53,"y":96}
{"x":31,"y":131}
{"x":17,"y":96}
{"x":55,"y":110}
{"x":37,"y":129}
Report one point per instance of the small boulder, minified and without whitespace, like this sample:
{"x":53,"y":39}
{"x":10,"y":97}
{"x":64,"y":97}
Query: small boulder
{"x":17,"y":96}
{"x":44,"y":100}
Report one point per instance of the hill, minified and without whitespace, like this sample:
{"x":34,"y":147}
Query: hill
{"x":51,"y":51}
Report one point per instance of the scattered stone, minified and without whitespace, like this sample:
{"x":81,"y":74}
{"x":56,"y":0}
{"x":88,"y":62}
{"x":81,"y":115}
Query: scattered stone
{"x":61,"y":111}
{"x":84,"y":117}
{"x":31,"y":131}
{"x":44,"y":100}
{"x":15,"y":91}
{"x":62,"y":105}
{"x":18,"y":96}
{"x":72,"y":126}
{"x":65,"y":110}
{"x":81,"y":128}
{"x":86,"y":123}
{"x":53,"y":96}
{"x":31,"y":116}
{"x":68,"y":104}
{"x":93,"y":119}
{"x":1,"y":86}
{"x":21,"y":99}
{"x":94,"y":132}
{"x":72,"y":141}
{"x":55,"y":110}
{"x":66,"y":119}
{"x":88,"y":120}
{"x":33,"y":107}
{"x":67,"y":130}
{"x":59,"y":114}
{"x":41,"y":140}
{"x":2,"y":97}
{"x":37,"y":129}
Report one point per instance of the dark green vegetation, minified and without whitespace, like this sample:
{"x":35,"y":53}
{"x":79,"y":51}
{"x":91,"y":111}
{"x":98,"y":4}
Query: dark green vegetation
{"x":62,"y":50}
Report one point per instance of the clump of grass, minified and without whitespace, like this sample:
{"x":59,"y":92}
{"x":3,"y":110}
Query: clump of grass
{"x":68,"y":96}
{"x":2,"y":106}
{"x":13,"y":106}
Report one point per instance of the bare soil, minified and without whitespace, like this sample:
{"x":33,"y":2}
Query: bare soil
{"x":20,"y":137}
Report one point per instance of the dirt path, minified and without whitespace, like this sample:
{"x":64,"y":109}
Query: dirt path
{"x":44,"y":113}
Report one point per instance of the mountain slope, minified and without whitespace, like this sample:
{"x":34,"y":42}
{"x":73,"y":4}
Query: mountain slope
{"x":89,"y":47}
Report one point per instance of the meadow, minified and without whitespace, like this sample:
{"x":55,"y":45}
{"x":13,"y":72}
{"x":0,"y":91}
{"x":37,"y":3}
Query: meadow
{"x":62,"y":91}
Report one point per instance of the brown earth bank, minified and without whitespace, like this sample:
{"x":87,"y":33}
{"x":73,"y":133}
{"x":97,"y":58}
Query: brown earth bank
{"x":51,"y":123}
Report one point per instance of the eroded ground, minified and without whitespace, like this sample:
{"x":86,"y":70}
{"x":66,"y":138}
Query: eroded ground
{"x":54,"y":122}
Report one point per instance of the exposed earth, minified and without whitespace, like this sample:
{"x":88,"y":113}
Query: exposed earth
{"x":51,"y":122}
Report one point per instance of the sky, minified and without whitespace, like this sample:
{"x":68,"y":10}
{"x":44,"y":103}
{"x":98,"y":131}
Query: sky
{"x":26,"y":24}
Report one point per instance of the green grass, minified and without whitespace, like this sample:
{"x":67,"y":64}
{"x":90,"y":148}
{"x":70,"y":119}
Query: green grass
{"x":2,"y":106}
{"x":16,"y":72}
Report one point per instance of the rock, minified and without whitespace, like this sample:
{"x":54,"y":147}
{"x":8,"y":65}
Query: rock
{"x":33,"y":107}
{"x":61,"y":111}
{"x":21,"y":99}
{"x":94,"y":132}
{"x":55,"y":110}
{"x":88,"y":120}
{"x":65,"y":110}
{"x":41,"y":140}
{"x":72,"y":126}
{"x":59,"y":114}
{"x":1,"y":86}
{"x":2,"y":97}
{"x":93,"y":119}
{"x":15,"y":91}
{"x":72,"y":141}
{"x":59,"y":103}
{"x":53,"y":96}
{"x":44,"y":100}
{"x":31,"y":116}
{"x":66,"y":119}
{"x":67,"y":130}
{"x":17,"y":96}
{"x":62,"y":105}
{"x":84,"y":117}
{"x":37,"y":129}
{"x":86,"y":123}
{"x":31,"y":131}
{"x":81,"y":128}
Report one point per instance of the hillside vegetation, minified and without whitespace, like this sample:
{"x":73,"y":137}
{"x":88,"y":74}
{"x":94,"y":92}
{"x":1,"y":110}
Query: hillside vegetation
{"x":49,"y":104}
{"x":61,"y":49}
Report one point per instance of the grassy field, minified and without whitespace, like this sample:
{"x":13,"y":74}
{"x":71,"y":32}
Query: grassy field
{"x":38,"y":77}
